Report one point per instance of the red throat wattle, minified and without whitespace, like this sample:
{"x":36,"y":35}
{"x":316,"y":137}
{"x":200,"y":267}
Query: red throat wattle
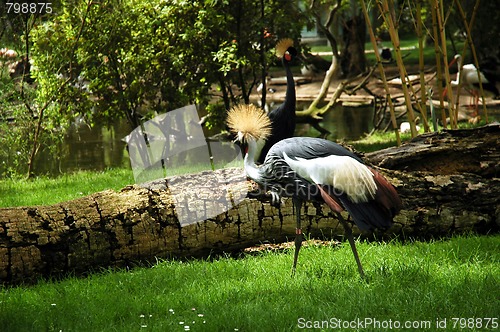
{"x":288,"y":57}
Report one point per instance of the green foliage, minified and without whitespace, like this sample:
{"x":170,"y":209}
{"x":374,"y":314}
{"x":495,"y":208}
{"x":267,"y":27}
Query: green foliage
{"x":18,"y":122}
{"x":11,"y":154}
{"x":14,"y":155}
{"x":139,"y":57}
{"x":416,"y":281}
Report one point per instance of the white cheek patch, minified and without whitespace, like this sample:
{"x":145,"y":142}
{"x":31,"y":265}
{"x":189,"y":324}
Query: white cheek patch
{"x":260,"y":145}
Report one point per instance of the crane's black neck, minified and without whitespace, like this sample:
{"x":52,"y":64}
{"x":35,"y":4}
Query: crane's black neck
{"x":290,"y":97}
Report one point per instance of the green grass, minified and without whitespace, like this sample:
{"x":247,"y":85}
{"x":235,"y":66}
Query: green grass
{"x":378,"y":140}
{"x":405,"y":43}
{"x":46,"y":190}
{"x":416,"y":281}
{"x":51,"y":190}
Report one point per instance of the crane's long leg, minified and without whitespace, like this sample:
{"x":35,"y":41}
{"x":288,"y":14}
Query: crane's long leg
{"x":348,"y":232}
{"x":298,"y":233}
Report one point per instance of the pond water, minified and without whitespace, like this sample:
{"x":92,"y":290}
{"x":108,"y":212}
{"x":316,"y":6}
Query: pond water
{"x":99,"y":147}
{"x":343,"y":123}
{"x":86,"y":148}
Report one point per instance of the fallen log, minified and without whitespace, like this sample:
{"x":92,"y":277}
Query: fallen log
{"x":449,"y":152}
{"x":448,"y":183}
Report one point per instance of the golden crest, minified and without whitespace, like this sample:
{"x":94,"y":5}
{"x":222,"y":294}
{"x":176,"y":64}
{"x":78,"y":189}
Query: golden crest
{"x":282,"y":46}
{"x":249,"y":121}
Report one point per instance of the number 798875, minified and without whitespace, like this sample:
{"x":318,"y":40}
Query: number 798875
{"x":29,"y":8}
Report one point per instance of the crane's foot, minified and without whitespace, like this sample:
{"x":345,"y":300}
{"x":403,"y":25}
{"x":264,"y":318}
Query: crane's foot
{"x":275,"y":199}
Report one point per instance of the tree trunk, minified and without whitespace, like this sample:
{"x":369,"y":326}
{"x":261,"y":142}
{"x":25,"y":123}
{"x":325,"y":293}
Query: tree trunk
{"x":353,"y":61}
{"x":447,"y":181}
{"x":313,"y":110}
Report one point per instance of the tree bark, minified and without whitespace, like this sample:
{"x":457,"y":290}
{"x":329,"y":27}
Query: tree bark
{"x":353,"y":61}
{"x":448,"y":183}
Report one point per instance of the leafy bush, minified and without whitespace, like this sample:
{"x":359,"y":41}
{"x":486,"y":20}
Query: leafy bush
{"x":131,"y":58}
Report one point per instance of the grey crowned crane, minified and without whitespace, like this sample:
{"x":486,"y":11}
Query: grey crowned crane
{"x":307,"y":169}
{"x":282,"y":117}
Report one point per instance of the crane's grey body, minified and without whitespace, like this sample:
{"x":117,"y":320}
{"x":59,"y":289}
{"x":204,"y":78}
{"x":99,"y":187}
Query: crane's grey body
{"x":277,"y":176}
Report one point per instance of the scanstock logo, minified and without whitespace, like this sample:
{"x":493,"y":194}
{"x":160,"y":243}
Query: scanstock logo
{"x":174,"y":143}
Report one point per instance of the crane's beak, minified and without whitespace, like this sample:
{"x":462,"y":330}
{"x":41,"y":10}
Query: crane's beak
{"x":452,"y":61}
{"x":241,"y":140}
{"x":240,"y":137}
{"x":290,"y":53}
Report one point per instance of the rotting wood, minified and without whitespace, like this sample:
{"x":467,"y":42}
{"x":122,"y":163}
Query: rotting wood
{"x":448,"y":183}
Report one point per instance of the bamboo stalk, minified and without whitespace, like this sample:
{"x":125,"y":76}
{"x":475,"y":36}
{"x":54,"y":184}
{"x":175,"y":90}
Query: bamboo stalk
{"x":387,"y":16}
{"x":440,"y":21}
{"x":382,"y":72}
{"x":439,"y":68}
{"x":423,"y":95}
{"x":460,"y":76}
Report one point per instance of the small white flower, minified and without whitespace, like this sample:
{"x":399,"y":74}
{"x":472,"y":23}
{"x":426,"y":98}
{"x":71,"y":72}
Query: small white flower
{"x":200,"y":315}
{"x":142,"y":316}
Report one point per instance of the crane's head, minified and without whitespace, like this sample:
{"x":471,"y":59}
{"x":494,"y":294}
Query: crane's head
{"x":248,"y":122}
{"x":458,"y":59}
{"x":285,"y":50}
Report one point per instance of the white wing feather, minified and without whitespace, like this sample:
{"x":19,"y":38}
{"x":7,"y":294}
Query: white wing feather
{"x":345,"y":174}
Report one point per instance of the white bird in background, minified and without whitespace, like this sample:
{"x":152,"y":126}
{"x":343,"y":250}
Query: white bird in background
{"x":470,"y":79}
{"x":405,"y":127}
{"x":384,"y":52}
{"x":261,"y":86}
